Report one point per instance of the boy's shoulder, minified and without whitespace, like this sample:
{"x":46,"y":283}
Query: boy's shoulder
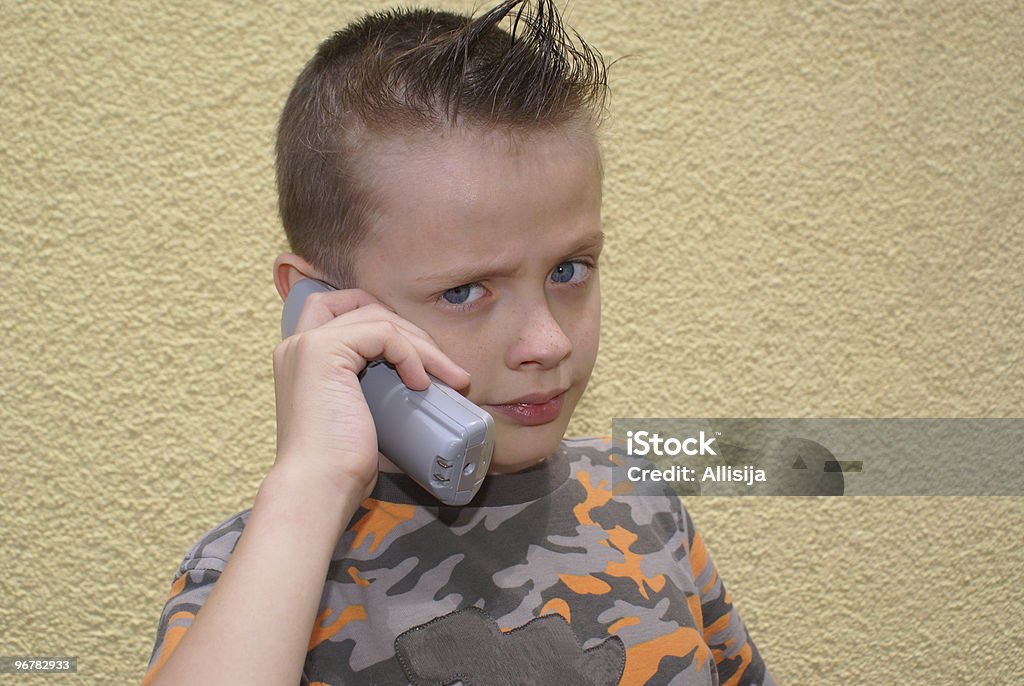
{"x":597,"y":450}
{"x":601,"y":444}
{"x":213,"y":549}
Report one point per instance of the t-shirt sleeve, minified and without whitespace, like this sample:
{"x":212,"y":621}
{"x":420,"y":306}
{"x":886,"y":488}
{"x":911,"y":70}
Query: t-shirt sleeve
{"x":192,"y":585}
{"x":738,"y":661}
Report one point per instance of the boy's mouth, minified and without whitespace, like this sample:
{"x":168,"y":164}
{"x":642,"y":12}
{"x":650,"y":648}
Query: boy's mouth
{"x":533,"y":409}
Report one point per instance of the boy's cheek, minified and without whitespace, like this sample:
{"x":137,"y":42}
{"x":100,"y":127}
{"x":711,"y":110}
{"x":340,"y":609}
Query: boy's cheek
{"x":588,"y":332}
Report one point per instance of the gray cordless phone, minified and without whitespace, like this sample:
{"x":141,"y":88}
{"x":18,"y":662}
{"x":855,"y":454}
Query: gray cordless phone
{"x":438,"y":437}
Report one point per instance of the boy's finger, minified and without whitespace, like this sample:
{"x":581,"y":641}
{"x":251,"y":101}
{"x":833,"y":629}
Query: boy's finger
{"x":441,"y":366}
{"x":371,"y":312}
{"x":320,"y":308}
{"x":375,"y":337}
{"x":433,"y":359}
{"x":402,"y":352}
{"x":328,"y":308}
{"x":345,"y":308}
{"x":357,"y":344}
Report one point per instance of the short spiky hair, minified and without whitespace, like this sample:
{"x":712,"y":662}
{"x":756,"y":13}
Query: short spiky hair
{"x":418,"y":70}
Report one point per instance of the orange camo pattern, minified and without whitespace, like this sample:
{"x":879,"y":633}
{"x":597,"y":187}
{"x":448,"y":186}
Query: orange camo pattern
{"x":596,"y":497}
{"x":381,"y":519}
{"x":178,"y":624}
{"x":177,"y":587}
{"x":610,"y":566}
{"x":618,"y":537}
{"x":698,"y":555}
{"x":698,"y":616}
{"x":353,"y":574}
{"x":643,"y":659}
{"x":321,"y":633}
{"x":745,"y":659}
{"x":622,"y":624}
{"x":175,"y":632}
{"x":630,"y":565}
{"x":584,"y":584}
{"x":557,"y":606}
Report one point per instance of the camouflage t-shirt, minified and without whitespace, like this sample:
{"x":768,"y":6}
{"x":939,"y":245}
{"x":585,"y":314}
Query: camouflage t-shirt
{"x":546,"y":578}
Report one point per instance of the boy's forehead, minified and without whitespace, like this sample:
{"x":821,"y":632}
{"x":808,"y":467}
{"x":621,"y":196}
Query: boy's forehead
{"x":444,"y":202}
{"x":456,"y":149}
{"x":456,"y":263}
{"x":442,"y":257}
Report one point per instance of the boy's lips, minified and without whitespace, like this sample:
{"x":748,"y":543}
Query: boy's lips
{"x":533,"y":409}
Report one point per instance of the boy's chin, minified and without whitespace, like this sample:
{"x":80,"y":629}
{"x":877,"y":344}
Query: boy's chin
{"x":524,"y":447}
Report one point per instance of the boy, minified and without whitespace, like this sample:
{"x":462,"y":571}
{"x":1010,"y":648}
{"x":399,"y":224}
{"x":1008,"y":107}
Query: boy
{"x":447,"y":178}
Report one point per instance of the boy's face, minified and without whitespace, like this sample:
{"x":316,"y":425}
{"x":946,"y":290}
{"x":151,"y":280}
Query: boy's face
{"x":490,"y":243}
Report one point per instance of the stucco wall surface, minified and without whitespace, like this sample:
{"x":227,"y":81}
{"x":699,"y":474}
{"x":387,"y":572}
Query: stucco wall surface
{"x":813,"y":209}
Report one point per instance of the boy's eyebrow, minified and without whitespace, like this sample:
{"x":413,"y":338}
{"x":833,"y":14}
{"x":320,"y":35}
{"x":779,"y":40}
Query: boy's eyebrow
{"x":593,"y":242}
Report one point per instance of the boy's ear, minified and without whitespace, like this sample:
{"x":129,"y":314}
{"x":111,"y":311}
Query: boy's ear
{"x":290,"y":268}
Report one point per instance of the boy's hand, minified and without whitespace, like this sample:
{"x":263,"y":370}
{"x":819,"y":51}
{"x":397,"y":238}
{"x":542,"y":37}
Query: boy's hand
{"x":325,"y":432}
{"x":265,"y":601}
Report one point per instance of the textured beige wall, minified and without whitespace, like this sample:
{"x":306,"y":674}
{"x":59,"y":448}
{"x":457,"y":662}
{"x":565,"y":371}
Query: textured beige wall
{"x":814,"y":209}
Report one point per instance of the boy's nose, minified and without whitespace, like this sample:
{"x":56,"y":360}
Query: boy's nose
{"x":539,"y":339}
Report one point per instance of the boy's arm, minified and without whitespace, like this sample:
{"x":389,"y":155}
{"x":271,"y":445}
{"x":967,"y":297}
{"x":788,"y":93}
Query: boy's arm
{"x":254,"y":627}
{"x":738,"y":660}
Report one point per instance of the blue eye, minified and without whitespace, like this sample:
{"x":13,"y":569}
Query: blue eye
{"x":570,"y":272}
{"x":460,"y":295}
